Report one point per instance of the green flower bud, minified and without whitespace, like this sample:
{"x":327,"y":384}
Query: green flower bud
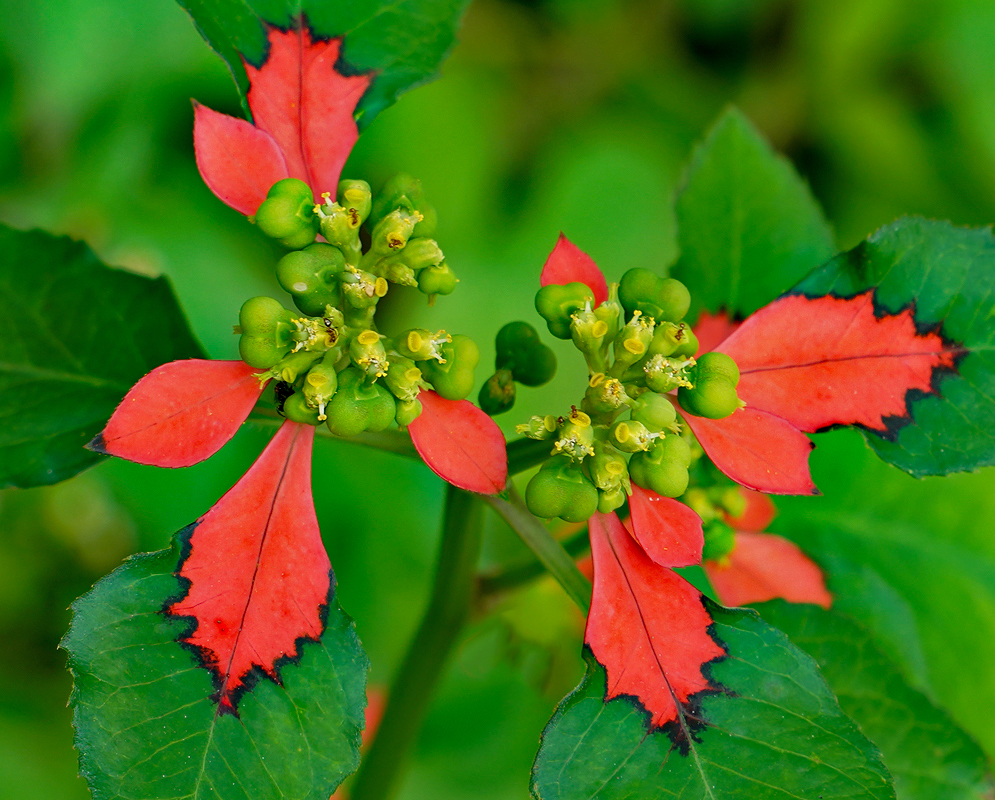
{"x":452,"y":377}
{"x":266,"y":328}
{"x":519,"y":349}
{"x":356,"y":198}
{"x":407,"y":412}
{"x":631,"y":436}
{"x":404,"y":379}
{"x":358,"y":406}
{"x":666,"y":338}
{"x":720,"y":540}
{"x":632,"y":342}
{"x":663,"y":468}
{"x":607,"y":469}
{"x":561,"y":489}
{"x":715,"y":364}
{"x":540,"y":428}
{"x":405,"y":192}
{"x":392,"y":232}
{"x":437,"y":280}
{"x":419,"y":344}
{"x":588,"y":333}
{"x":655,"y":411}
{"x":296,"y":409}
{"x":556,"y":304}
{"x":362,"y":290}
{"x":663,"y":375}
{"x":369,"y":355}
{"x":497,"y":395}
{"x":575,"y":437}
{"x":287,"y":213}
{"x":712,"y":398}
{"x":604,"y":395}
{"x":320,"y":385}
{"x":611,"y":500}
{"x":611,"y":313}
{"x":661,"y":298}
{"x":292,"y":366}
{"x":310,"y":275}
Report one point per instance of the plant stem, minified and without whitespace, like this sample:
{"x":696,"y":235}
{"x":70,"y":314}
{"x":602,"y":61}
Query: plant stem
{"x":448,"y":608}
{"x":547,"y":549}
{"x":525,"y":453}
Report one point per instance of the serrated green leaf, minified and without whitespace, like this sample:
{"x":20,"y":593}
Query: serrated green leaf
{"x":775,"y":732}
{"x":930,"y":757}
{"x":147,"y":728}
{"x":748,"y":226}
{"x":947,"y":275}
{"x":75,"y":335}
{"x":403,"y":42}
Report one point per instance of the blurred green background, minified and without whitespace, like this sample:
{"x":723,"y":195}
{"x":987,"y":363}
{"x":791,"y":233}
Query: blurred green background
{"x":572,"y":115}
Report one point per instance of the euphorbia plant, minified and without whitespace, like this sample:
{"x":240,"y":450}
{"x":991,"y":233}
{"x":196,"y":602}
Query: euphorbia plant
{"x":224,"y":665}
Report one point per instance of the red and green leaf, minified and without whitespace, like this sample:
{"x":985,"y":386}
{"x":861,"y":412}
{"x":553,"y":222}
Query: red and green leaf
{"x":931,"y":286}
{"x":220,"y":666}
{"x":460,"y":444}
{"x":667,"y":530}
{"x":569,"y":264}
{"x":180,"y":413}
{"x":394,"y":45}
{"x":685,"y":699}
{"x":68,"y":353}
{"x":764,"y":567}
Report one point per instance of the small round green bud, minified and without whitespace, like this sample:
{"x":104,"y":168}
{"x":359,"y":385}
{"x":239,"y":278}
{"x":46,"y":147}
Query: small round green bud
{"x":452,"y":378}
{"x":631,"y":436}
{"x":358,"y":406}
{"x":604,"y":394}
{"x":540,"y":428}
{"x":368,"y":354}
{"x":296,"y":409}
{"x":404,"y":379}
{"x":287,"y":213}
{"x":556,"y":304}
{"x":310,"y":276}
{"x":561,"y":490}
{"x":607,"y":468}
{"x":357,"y":199}
{"x":497,"y":395}
{"x":713,"y":397}
{"x":717,"y":365}
{"x":662,"y":469}
{"x":320,"y":385}
{"x":655,"y":411}
{"x":407,"y":412}
{"x":660,"y":298}
{"x":632,"y":342}
{"x":435,"y":280}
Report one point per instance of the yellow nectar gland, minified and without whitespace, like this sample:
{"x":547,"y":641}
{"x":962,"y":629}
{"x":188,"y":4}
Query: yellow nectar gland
{"x":615,"y":467}
{"x":412,"y":374}
{"x":380,"y":287}
{"x":580,"y":419}
{"x":316,"y":379}
{"x":634,"y":346}
{"x":596,"y":380}
{"x":368,"y":337}
{"x":599,"y":329}
{"x":415,"y":341}
{"x":622,"y":433}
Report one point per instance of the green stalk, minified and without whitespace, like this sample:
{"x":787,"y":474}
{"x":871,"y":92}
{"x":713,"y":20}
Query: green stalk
{"x":547,"y":549}
{"x":516,"y":575}
{"x":453,"y":592}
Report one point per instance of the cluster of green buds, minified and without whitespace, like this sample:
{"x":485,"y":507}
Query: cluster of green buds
{"x":330,"y":363}
{"x":639,"y":352}
{"x":520,"y":356}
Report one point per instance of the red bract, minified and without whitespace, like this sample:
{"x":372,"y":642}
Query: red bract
{"x":807,"y":364}
{"x":762,"y":566}
{"x":568,"y":264}
{"x":460,"y":444}
{"x":302,"y":107}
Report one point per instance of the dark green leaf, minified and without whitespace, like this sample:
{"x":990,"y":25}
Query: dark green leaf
{"x":403,"y":43}
{"x":775,"y":732}
{"x":947,"y":276}
{"x":74,"y":336}
{"x":930,"y":757}
{"x":748,"y":226}
{"x":147,"y":728}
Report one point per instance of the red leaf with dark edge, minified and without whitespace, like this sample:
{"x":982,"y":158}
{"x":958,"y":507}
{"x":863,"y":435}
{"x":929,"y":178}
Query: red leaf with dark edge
{"x":568,"y":264}
{"x":712,"y":330}
{"x":258,"y":574}
{"x":824,"y":361}
{"x":758,"y":450}
{"x":180,"y":413}
{"x":237,"y":161}
{"x":665,"y":528}
{"x":300,"y":99}
{"x":763,"y":567}
{"x":460,"y":444}
{"x":647,"y":626}
{"x":758,"y":514}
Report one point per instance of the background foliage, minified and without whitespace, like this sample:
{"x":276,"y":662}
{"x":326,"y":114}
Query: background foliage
{"x":572,"y":114}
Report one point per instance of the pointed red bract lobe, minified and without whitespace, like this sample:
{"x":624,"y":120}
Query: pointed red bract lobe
{"x":181,"y":413}
{"x":237,"y":161}
{"x":568,"y":264}
{"x":258,"y":573}
{"x":460,"y":444}
{"x":758,"y":514}
{"x":300,"y":99}
{"x":668,"y":531}
{"x":647,"y":625}
{"x":763,"y":567}
{"x":834,"y":361}
{"x":758,"y":450}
